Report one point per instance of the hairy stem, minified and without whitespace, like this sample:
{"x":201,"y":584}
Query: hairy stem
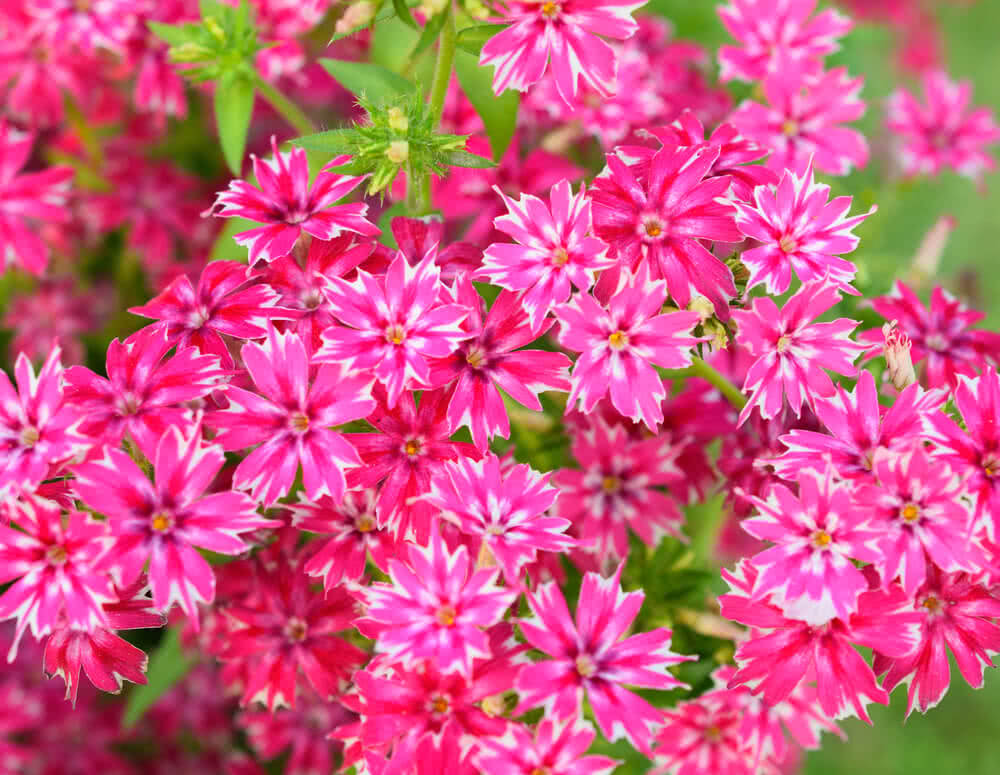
{"x":291,"y":112}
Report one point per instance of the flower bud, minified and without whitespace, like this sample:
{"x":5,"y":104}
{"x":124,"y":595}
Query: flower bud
{"x":703,"y":307}
{"x":433,"y":7}
{"x":357,"y":15}
{"x":398,"y":121}
{"x":214,"y":28}
{"x":897,"y":357}
{"x":398,"y":151}
{"x":189,"y":52}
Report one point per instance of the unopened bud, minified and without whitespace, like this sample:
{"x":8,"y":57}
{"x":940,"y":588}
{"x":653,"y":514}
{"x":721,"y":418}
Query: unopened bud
{"x":476,"y":9}
{"x":398,"y":121}
{"x":703,"y":307}
{"x":357,"y":15}
{"x":398,"y":151}
{"x":897,"y":357}
{"x":928,"y":257}
{"x":189,"y":52}
{"x":433,"y":7}
{"x":494,"y":705}
{"x":214,"y":28}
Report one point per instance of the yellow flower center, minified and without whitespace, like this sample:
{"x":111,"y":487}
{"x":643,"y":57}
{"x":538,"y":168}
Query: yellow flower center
{"x":298,"y":422}
{"x":932,"y":604}
{"x":57,"y":555}
{"x":365,"y":523}
{"x":788,"y":244}
{"x":713,"y":734}
{"x":618,"y":340}
{"x":585,"y":666}
{"x":296,"y":630}
{"x":446,"y":615}
{"x":395,"y":334}
{"x":30,"y":436}
{"x":475,"y":358}
{"x":440,"y":704}
{"x":790,"y":127}
{"x":784,"y":342}
{"x":161,"y":522}
{"x":550,"y":9}
{"x":412,"y":447}
{"x":611,"y":484}
{"x":821,"y":539}
{"x":560,"y":257}
{"x":910,"y":512}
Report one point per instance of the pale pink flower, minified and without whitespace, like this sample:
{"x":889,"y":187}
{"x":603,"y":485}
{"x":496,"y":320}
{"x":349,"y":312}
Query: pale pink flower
{"x":944,"y":132}
{"x":556,"y":747}
{"x":567,"y":32}
{"x":590,"y":657}
{"x":619,"y":345}
{"x":800,"y":230}
{"x":437,"y":607}
{"x":291,"y":419}
{"x":289,"y":205}
{"x":554,"y":251}
{"x":792,"y":351}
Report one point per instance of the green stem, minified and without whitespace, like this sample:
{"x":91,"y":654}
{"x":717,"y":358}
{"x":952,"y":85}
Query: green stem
{"x":700,"y":368}
{"x":291,"y":112}
{"x":442,"y":68}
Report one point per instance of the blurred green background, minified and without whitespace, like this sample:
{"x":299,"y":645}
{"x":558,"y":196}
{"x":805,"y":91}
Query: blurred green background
{"x":962,"y":735}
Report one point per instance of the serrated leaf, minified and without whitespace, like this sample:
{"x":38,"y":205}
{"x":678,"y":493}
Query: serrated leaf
{"x":167,"y":665}
{"x":431,"y":32}
{"x":377,"y":83}
{"x":472,"y":39}
{"x":466,"y":159}
{"x":175,"y":34}
{"x":499,"y":114}
{"x":332,"y":141}
{"x":403,"y":12}
{"x":233,"y":107}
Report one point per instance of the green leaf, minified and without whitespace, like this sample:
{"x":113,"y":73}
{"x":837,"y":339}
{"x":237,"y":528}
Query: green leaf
{"x":472,"y":39}
{"x":466,"y":159}
{"x":373,"y":81}
{"x":351,"y":168}
{"x":431,"y":32}
{"x":332,"y":141}
{"x":403,"y":12}
{"x":175,"y":34}
{"x":499,"y":114}
{"x":167,"y":665}
{"x":233,"y":106}
{"x":386,"y":14}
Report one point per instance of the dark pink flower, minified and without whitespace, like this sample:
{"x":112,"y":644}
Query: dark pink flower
{"x":554,"y":747}
{"x":291,"y":420}
{"x":662,"y":218}
{"x":703,"y":737}
{"x":289,"y":205}
{"x":589,"y":657}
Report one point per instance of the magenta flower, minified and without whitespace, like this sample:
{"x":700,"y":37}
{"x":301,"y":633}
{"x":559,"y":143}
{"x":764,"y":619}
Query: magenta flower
{"x":411,"y":446}
{"x":703,"y":736}
{"x":489,"y":361}
{"x":504,"y":506}
{"x":165,"y":521}
{"x":620,"y":344}
{"x":663,"y":217}
{"x":782,"y":652}
{"x":799,"y":230}
{"x":589,"y":657}
{"x":38,"y":429}
{"x":291,"y":420}
{"x":26,"y":198}
{"x":918,"y":505}
{"x":393,"y":324}
{"x":958,"y":614}
{"x":569,"y":33}
{"x":105,"y":658}
{"x":804,"y":120}
{"x":941,"y":333}
{"x":557,"y":747}
{"x":809,"y":572}
{"x":227,"y":302}
{"x":792,"y":352}
{"x":53,"y":565}
{"x":144,"y":392}
{"x":289,"y":205}
{"x":944,"y":132}
{"x":774,"y":35}
{"x":436,"y":608}
{"x":617,"y":488}
{"x":554,"y":250}
{"x":858,"y":430}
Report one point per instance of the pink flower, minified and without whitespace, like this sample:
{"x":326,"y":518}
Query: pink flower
{"x":144,"y":392}
{"x":619,"y":345}
{"x":38,"y":429}
{"x":704,"y":736}
{"x":489,"y":362}
{"x":289,"y":205}
{"x":504,"y":506}
{"x":589,"y":657}
{"x":942,"y":334}
{"x":353,"y":532}
{"x":804,"y":118}
{"x":809,"y":572}
{"x":776,"y":34}
{"x":618,"y":488}
{"x":663,"y":217}
{"x":291,"y":420}
{"x":858,"y":430}
{"x":556,"y":747}
{"x":26,"y":198}
{"x":918,"y":505}
{"x":53,"y":565}
{"x":567,"y":32}
{"x":944,"y":132}
{"x":436,"y":608}
{"x":226,"y":303}
{"x":166,"y":520}
{"x":792,"y":352}
{"x":958,"y":614}
{"x":107,"y":659}
{"x":781,"y":652}
{"x":554,"y":250}
{"x":393,"y":324}
{"x":411,"y":445}
{"x":106,"y":24}
{"x":800,"y":230}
